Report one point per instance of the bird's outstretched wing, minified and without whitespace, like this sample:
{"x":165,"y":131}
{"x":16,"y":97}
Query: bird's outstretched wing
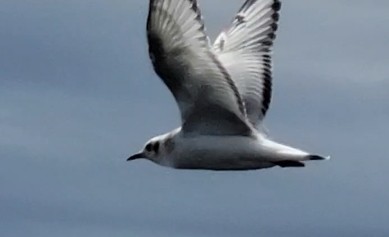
{"x":245,"y":50}
{"x":181,"y":54}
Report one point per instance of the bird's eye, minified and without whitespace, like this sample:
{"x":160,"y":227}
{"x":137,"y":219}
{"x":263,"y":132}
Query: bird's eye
{"x":148,"y":147}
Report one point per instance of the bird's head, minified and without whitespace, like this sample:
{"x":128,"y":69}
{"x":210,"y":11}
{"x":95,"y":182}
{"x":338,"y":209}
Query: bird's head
{"x":150,"y":151}
{"x":158,"y":148}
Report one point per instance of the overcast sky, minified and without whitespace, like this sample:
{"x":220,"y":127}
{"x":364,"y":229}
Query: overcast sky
{"x":78,"y":95}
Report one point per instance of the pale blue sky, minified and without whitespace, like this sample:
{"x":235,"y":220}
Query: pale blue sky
{"x":78,"y":95}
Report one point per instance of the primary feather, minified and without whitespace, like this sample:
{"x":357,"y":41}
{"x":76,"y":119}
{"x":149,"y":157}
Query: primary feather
{"x":245,"y":50}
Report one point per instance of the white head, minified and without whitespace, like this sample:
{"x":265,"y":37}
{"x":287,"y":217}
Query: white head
{"x":155,"y":149}
{"x":150,"y":151}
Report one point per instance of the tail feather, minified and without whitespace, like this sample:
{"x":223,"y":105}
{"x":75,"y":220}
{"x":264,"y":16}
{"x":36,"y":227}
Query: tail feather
{"x":316,"y":157}
{"x":296,"y":163}
{"x":289,"y":163}
{"x":286,"y":156}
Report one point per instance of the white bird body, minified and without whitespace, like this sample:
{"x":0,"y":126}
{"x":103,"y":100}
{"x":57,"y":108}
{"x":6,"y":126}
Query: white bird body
{"x":223,"y":90}
{"x":181,"y":151}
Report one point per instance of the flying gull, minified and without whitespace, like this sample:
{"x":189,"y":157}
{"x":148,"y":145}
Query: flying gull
{"x":223,"y":90}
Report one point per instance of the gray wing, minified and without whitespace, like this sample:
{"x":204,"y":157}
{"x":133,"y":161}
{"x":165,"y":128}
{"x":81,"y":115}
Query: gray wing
{"x":208,"y":99}
{"x":245,"y":50}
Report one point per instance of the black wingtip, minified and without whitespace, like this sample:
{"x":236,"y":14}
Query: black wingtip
{"x":289,"y":163}
{"x":276,"y":5}
{"x":316,"y":157}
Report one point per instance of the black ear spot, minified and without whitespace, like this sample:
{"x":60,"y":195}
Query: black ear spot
{"x":148,"y":147}
{"x":156,"y":147}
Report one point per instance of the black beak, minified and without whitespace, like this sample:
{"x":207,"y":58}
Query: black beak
{"x":136,"y":156}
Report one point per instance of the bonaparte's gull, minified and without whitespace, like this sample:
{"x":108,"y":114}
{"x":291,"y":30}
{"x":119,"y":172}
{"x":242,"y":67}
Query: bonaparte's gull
{"x":222,"y":90}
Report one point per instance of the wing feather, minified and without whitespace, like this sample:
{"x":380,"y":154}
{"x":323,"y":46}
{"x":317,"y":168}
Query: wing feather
{"x":208,"y":98}
{"x":245,"y":50}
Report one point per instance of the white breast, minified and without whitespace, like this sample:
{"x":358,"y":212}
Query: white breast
{"x":218,"y":153}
